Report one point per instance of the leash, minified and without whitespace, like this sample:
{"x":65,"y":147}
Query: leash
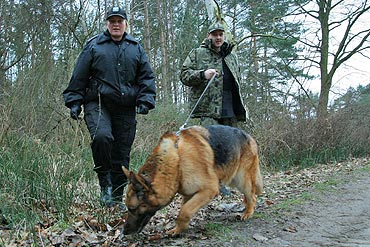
{"x":99,"y":117}
{"x":196,"y":104}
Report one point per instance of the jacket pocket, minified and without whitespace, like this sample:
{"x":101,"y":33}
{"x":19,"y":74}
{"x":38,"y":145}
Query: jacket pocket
{"x":92,"y":91}
{"x":129,"y":94}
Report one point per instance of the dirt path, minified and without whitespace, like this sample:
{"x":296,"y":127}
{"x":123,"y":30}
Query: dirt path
{"x":339,"y":217}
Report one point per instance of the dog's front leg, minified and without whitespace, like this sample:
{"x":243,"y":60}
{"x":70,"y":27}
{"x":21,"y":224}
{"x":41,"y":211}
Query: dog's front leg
{"x":190,"y":207}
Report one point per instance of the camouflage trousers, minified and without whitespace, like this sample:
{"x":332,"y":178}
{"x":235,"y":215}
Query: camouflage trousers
{"x":205,"y":121}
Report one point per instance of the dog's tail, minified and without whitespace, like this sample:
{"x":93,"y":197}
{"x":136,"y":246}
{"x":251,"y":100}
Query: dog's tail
{"x":259,"y":181}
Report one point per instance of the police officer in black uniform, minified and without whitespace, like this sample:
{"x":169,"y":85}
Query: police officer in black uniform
{"x":113,"y":81}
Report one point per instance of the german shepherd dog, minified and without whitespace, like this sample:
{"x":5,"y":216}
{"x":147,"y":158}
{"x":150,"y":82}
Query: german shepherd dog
{"x":193,"y":163}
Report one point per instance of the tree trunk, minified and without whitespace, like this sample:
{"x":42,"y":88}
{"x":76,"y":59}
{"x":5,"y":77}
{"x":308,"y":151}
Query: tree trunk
{"x":163,"y":78}
{"x":326,"y":78}
{"x":147,"y":46}
{"x":173,"y":64}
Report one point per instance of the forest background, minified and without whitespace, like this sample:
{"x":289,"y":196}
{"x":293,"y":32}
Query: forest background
{"x":283,"y":47}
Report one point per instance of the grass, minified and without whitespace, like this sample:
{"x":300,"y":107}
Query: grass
{"x":220,"y":230}
{"x":366,"y":169}
{"x":47,"y":178}
{"x":327,"y":185}
{"x":38,"y":178}
{"x":288,"y":204}
{"x":50,"y":173}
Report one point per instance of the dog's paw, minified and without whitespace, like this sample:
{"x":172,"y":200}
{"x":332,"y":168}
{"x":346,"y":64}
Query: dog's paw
{"x":173,"y":232}
{"x":246,"y":215}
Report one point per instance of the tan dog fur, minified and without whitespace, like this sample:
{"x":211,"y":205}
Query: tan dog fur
{"x":185,"y":164}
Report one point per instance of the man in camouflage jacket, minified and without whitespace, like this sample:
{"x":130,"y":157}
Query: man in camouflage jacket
{"x":222,"y":102}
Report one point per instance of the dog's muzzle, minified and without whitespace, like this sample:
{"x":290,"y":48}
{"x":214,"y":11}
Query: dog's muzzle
{"x":136,"y":223}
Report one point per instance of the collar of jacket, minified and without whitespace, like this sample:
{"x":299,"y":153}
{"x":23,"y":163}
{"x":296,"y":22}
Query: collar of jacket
{"x":207,"y":43}
{"x":105,"y":37}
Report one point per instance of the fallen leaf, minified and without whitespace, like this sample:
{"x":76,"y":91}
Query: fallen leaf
{"x":290,"y":229}
{"x":269,"y":202}
{"x":132,"y":245}
{"x":155,"y":237}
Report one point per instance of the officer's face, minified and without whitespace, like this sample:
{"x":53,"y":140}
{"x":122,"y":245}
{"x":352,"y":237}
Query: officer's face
{"x":116,"y":26}
{"x":217,"y":37}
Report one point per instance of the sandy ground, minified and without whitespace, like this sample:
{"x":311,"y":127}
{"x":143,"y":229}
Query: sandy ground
{"x":339,"y":217}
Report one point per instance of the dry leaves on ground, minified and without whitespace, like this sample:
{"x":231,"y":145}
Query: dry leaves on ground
{"x":91,"y":226}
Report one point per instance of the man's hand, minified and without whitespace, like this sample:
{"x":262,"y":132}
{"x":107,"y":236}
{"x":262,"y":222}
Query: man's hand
{"x":142,"y":109}
{"x":209,"y":73}
{"x":75,"y":111}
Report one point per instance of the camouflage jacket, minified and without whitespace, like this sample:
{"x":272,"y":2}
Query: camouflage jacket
{"x":192,"y":74}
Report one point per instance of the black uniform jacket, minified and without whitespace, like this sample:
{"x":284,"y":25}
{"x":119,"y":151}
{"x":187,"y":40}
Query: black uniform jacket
{"x":119,"y":71}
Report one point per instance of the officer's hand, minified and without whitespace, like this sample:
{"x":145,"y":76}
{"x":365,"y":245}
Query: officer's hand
{"x":209,"y":73}
{"x":75,"y":111}
{"x":142,"y":109}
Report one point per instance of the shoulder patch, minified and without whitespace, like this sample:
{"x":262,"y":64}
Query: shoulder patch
{"x":92,"y":38}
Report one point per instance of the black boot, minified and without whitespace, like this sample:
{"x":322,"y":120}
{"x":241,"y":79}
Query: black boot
{"x":119,"y":182}
{"x":224,"y":191}
{"x":105,"y":189}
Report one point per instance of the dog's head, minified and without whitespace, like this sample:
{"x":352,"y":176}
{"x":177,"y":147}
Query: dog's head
{"x":140,"y":201}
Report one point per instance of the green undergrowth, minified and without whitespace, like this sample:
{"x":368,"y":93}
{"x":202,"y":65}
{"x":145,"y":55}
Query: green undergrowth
{"x":39,"y":181}
{"x":44,"y":174}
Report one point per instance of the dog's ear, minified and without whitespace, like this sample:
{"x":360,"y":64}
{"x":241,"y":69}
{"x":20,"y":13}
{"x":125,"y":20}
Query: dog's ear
{"x":138,"y":182}
{"x":126,"y":171}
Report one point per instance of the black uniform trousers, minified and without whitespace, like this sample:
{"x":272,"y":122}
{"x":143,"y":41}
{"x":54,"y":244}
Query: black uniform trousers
{"x":112,"y":129}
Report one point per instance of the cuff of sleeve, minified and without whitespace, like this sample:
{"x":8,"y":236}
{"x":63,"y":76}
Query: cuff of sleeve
{"x":76,"y":102}
{"x":202,"y":76}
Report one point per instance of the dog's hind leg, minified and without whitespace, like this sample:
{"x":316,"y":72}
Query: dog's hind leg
{"x":248,"y":189}
{"x":249,"y":200}
{"x":185,"y":199}
{"x":190,"y":207}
